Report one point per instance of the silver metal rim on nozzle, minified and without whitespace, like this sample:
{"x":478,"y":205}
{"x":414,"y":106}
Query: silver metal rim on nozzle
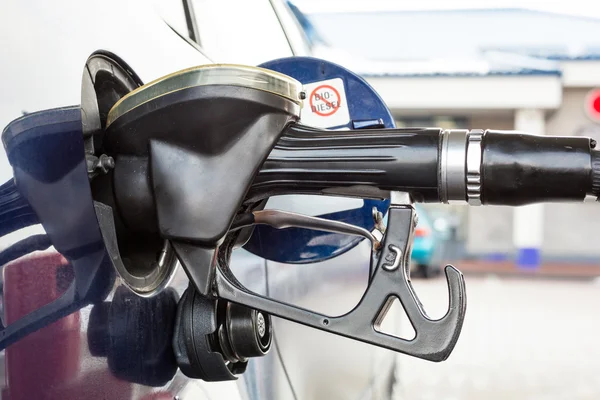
{"x":474,"y":158}
{"x":452,"y":165}
{"x":460,"y":166}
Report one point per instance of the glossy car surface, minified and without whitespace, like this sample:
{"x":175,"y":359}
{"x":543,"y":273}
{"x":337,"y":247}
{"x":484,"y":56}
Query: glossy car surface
{"x":98,"y":347}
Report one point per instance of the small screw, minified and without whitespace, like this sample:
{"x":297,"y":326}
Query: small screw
{"x":325,"y":322}
{"x":302,"y":95}
{"x":106,"y":163}
{"x":261,"y":325}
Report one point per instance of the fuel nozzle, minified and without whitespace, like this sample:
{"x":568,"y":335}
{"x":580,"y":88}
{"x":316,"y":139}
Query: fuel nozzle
{"x":433,"y":165}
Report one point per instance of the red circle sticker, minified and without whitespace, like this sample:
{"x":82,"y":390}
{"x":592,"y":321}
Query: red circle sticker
{"x":325,"y":100}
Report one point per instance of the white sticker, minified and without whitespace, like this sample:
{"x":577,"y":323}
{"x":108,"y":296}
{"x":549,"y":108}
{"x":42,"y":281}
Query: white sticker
{"x":326,"y":105}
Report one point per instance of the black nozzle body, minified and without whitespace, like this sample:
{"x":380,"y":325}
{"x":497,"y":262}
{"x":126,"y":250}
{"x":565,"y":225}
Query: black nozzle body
{"x":432,"y":164}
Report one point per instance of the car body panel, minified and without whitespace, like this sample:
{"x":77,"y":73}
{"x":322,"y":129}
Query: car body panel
{"x":48,"y":44}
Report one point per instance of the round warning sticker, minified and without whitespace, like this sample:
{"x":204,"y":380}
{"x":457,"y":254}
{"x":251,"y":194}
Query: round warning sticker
{"x":326,"y":105}
{"x":324,"y":100}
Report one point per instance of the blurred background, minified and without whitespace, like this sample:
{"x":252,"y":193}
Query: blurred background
{"x":532,"y":283}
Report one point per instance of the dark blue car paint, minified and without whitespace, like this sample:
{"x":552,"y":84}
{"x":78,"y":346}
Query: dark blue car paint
{"x":45,"y":150}
{"x":128,"y":337}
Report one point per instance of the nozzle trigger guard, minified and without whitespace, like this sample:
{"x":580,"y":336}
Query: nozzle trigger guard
{"x":434,"y":340}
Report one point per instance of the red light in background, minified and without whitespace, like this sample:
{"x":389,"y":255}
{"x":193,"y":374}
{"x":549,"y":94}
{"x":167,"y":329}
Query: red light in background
{"x":592,"y":105}
{"x":596,"y":104}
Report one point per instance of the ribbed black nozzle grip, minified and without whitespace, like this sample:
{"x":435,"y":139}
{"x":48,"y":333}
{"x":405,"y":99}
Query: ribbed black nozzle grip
{"x":357,"y":163}
{"x":596,"y":173}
